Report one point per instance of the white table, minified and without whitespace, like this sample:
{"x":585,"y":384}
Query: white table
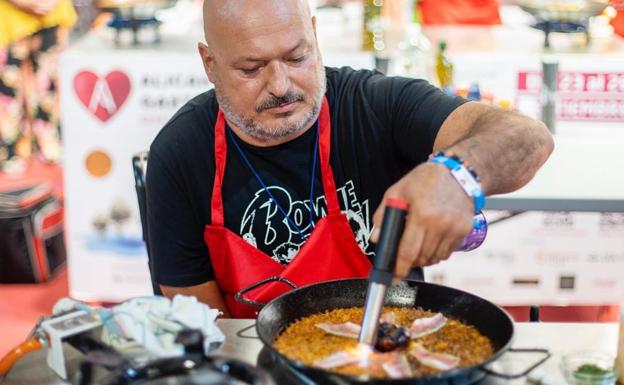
{"x":584,"y":173}
{"x":559,"y":338}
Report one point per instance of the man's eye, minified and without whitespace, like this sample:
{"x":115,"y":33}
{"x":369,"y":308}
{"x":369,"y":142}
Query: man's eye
{"x":249,"y":71}
{"x":298,"y":59}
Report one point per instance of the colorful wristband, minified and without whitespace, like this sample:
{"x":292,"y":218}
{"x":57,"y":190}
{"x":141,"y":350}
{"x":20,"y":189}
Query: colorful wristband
{"x":465,"y":176}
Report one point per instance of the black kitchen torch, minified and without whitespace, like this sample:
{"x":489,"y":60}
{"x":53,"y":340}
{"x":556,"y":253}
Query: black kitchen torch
{"x":383,"y":269}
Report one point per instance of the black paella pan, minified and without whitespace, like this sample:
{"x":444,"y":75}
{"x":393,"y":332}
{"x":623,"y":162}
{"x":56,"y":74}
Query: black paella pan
{"x":489,"y":319}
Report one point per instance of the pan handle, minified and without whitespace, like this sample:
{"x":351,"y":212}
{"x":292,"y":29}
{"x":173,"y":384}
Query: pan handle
{"x":239,"y":295}
{"x":507,"y":376}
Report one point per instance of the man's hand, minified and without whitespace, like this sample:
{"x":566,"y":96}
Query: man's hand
{"x":38,"y":7}
{"x":505,"y":148}
{"x":439,"y":217}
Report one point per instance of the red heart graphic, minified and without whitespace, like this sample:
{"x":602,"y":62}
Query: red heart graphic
{"x":103,"y":97}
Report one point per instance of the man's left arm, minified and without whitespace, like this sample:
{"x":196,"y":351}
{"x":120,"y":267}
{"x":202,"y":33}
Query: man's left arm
{"x":505,"y":148}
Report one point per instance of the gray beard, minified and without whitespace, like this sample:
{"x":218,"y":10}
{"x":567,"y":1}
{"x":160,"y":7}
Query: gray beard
{"x":263,"y":133}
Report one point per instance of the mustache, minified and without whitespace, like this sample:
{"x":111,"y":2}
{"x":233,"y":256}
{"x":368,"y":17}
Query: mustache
{"x":274,"y":101}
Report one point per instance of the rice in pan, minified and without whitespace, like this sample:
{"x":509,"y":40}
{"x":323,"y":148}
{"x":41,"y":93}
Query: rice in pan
{"x":304,"y":341}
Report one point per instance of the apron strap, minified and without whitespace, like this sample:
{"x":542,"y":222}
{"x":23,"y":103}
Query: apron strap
{"x":329,"y":186}
{"x":220,"y":151}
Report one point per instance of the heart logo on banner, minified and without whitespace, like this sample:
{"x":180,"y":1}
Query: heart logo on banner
{"x":102,"y":96}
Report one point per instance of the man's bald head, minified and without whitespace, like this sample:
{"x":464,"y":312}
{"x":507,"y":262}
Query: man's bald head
{"x":263,"y":59}
{"x":240,"y":14}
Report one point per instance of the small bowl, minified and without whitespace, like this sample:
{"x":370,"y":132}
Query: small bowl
{"x":589,"y":368}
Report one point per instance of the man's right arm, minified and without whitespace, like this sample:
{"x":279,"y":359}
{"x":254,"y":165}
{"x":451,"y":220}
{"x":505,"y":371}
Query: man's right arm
{"x":179,"y":257}
{"x":208,"y":293}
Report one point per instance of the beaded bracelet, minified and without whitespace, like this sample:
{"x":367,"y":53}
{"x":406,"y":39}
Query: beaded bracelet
{"x":464,"y":174}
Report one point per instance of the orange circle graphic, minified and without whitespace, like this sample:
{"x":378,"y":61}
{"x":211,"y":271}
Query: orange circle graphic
{"x":98,"y":163}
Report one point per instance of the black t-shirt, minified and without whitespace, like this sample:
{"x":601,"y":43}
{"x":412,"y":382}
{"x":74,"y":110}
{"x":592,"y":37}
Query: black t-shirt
{"x":382,"y":127}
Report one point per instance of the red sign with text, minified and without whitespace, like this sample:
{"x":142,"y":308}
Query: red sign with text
{"x":584,"y":96}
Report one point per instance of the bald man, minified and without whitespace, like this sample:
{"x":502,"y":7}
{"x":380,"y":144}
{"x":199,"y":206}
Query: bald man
{"x":281,"y":171}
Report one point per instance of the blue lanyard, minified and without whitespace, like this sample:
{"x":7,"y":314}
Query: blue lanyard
{"x":259,"y":179}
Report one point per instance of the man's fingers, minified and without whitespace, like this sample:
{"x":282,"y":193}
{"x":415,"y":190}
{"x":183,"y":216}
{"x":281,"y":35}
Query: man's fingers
{"x":409,"y":248}
{"x":374,"y":237}
{"x":430,"y":245}
{"x":377,"y":220}
{"x":444,"y":250}
{"x":453,"y":233}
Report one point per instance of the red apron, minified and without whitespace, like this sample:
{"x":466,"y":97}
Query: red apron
{"x":330,"y":252}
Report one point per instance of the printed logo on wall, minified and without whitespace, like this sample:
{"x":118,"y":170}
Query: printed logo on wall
{"x":102,"y":96}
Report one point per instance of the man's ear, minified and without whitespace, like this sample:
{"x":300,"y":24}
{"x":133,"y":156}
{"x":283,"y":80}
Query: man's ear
{"x":207,"y":60}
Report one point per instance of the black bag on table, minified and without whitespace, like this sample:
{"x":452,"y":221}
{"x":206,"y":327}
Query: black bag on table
{"x":32,"y":245}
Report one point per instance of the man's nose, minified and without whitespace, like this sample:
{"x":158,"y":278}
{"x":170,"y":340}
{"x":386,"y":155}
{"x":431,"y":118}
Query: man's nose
{"x":278,"y":83}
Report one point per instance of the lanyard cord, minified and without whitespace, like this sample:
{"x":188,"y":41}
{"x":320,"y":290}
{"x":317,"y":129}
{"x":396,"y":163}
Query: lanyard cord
{"x":259,"y":179}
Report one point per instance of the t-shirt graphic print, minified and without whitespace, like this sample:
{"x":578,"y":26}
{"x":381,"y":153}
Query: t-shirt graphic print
{"x":264,"y":226}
